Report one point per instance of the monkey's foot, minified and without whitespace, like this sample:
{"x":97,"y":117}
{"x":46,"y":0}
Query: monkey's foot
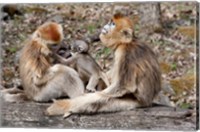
{"x":3,"y":92}
{"x":59,"y":107}
{"x":91,"y":89}
{"x":12,"y":98}
{"x":6,"y":96}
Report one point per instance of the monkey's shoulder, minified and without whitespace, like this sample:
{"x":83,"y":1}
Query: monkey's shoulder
{"x":85,"y":56}
{"x":139,"y":49}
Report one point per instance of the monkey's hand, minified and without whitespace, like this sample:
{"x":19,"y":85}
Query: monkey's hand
{"x":91,"y":89}
{"x":64,"y":61}
{"x":39,"y":81}
{"x":46,"y":51}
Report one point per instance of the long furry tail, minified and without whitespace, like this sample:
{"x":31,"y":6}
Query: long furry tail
{"x":98,"y":102}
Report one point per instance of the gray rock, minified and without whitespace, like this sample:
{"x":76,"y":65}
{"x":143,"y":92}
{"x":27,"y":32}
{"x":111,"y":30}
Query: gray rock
{"x":31,"y":114}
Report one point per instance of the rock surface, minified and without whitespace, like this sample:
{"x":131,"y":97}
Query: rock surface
{"x":31,"y":115}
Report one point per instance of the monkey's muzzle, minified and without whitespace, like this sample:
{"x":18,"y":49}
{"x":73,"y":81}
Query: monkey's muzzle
{"x":107,"y":28}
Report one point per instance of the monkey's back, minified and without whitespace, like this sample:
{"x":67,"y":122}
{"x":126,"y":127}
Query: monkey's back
{"x":26,"y":71}
{"x":88,"y":64}
{"x":142,"y":71}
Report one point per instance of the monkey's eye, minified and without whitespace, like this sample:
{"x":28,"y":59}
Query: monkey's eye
{"x":112,"y":24}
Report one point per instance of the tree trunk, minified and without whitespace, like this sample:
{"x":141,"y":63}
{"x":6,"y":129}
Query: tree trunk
{"x":149,"y":18}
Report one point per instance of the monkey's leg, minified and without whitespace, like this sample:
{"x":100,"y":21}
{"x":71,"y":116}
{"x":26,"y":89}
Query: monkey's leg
{"x":19,"y":97}
{"x":117,"y":90}
{"x":11,"y":91}
{"x":94,"y":79}
{"x":38,"y":81}
{"x":66,"y":82}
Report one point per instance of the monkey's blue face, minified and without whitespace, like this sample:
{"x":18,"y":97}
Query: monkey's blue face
{"x":108,"y":28}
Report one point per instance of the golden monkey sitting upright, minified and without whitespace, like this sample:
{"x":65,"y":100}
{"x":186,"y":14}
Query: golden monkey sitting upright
{"x":42,"y":81}
{"x":135,"y":75}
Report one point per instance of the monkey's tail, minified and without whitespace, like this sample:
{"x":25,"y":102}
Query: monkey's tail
{"x":104,"y":78}
{"x":99,"y":102}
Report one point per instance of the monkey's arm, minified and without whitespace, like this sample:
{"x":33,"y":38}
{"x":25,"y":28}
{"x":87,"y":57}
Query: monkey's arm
{"x":41,"y":80}
{"x":115,"y":91}
{"x":105,"y":78}
{"x":64,"y":61}
{"x":94,"y":79}
{"x":11,"y":91}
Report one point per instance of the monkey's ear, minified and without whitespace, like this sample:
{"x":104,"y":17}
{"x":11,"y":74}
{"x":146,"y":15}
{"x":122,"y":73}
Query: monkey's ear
{"x":128,"y":33}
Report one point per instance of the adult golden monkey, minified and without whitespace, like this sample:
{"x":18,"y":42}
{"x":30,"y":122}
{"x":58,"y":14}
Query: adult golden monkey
{"x":135,"y":75}
{"x":42,"y":81}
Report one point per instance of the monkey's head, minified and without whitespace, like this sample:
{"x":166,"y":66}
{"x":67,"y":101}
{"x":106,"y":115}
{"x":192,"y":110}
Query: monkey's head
{"x":79,"y":46}
{"x":49,"y":33}
{"x":118,"y":31}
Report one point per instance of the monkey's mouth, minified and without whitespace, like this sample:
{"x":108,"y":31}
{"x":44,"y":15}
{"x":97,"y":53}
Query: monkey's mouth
{"x":107,"y":28}
{"x":104,"y":31}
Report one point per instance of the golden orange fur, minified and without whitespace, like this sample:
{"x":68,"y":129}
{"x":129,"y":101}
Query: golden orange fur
{"x":41,"y":80}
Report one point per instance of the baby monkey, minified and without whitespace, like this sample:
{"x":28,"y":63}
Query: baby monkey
{"x":89,"y":71}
